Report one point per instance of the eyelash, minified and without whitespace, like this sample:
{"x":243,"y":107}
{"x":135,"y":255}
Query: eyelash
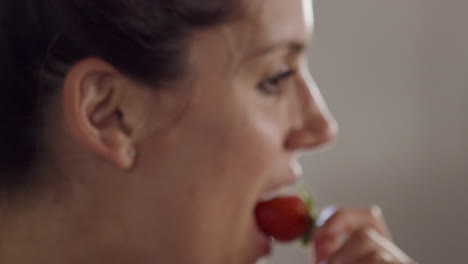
{"x":270,"y":86}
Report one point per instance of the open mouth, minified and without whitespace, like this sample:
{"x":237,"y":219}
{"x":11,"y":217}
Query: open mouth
{"x":283,"y":188}
{"x":286,"y":218}
{"x":264,"y":243}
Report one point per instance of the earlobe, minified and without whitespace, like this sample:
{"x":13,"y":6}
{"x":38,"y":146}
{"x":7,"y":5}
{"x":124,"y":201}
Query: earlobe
{"x":92,"y":98}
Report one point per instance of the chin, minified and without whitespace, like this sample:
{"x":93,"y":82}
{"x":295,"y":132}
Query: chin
{"x":257,"y":246}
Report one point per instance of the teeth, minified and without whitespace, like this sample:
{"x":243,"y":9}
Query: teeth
{"x":296,"y":167}
{"x":268,"y":196}
{"x":288,"y":190}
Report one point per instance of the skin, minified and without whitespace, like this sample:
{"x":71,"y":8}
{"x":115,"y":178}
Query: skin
{"x":172,"y":174}
{"x":357,"y":235}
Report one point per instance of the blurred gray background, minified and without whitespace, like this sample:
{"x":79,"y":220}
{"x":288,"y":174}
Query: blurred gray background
{"x":395,"y":75}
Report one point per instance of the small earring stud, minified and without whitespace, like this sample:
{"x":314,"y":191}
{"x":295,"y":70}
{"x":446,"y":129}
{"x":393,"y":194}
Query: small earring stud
{"x":132,"y":153}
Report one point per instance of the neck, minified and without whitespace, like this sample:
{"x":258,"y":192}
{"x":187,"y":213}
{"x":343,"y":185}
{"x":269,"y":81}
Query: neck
{"x":28,"y":235}
{"x":53,"y":234}
{"x":74,"y":230}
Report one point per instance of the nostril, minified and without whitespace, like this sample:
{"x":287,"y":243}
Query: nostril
{"x":313,"y":136}
{"x":303,"y":140}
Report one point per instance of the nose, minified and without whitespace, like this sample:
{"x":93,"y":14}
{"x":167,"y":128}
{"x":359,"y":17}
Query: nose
{"x":315,"y":125}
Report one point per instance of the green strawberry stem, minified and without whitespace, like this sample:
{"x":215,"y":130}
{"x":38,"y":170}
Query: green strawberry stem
{"x":306,"y":239}
{"x":308,"y":234}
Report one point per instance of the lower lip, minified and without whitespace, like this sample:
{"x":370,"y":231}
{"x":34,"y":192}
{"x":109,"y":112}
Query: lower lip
{"x":264,"y":244}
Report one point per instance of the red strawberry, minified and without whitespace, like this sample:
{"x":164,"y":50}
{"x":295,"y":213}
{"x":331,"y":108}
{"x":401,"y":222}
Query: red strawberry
{"x":286,"y":218}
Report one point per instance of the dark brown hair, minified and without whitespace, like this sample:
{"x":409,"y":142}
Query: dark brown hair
{"x":41,"y":39}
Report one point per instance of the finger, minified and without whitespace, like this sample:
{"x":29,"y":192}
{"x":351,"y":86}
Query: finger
{"x":368,"y":246}
{"x":340,"y":224}
{"x":347,"y":221}
{"x":326,"y":244}
{"x":383,"y":257}
{"x":325,"y":248}
{"x":359,"y":245}
{"x":377,"y":257}
{"x":389,"y":250}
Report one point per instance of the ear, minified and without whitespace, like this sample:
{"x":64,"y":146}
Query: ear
{"x":93,"y":98}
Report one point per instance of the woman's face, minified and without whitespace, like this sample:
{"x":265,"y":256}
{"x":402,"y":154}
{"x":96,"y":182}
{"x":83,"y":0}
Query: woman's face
{"x":252,"y":106}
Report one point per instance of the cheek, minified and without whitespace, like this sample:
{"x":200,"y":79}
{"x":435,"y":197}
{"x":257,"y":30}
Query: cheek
{"x":244,"y":139}
{"x":239,"y":134}
{"x":258,"y":144}
{"x":211,"y":170}
{"x":231,"y":148}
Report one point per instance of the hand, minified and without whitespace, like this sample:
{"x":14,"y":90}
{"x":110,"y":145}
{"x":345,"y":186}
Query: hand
{"x":357,"y":236}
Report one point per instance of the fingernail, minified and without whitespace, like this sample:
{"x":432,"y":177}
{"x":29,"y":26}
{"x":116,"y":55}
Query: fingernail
{"x":325,"y":215}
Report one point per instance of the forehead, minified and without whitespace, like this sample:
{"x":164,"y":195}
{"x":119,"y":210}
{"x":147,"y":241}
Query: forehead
{"x":298,"y":12}
{"x":271,"y":21}
{"x":265,"y":23}
{"x":280,"y":17}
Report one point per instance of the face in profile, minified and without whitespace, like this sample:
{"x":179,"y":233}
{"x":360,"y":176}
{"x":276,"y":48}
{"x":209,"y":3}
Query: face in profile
{"x":252,"y":106}
{"x":249,"y":105}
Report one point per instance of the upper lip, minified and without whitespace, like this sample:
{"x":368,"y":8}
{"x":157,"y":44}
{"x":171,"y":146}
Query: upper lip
{"x":293,"y":173}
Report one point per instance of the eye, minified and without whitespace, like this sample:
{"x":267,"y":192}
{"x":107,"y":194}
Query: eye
{"x":271,"y":85}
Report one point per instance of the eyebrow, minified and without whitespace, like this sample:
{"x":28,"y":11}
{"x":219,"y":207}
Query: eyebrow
{"x":294,"y":47}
